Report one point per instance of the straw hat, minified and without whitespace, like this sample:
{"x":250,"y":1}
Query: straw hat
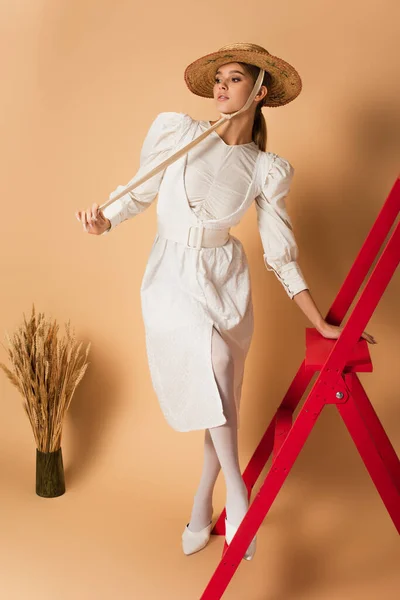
{"x":286,"y":83}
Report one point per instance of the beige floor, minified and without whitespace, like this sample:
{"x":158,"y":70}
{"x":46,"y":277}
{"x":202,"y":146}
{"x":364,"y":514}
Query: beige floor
{"x":327,"y":537}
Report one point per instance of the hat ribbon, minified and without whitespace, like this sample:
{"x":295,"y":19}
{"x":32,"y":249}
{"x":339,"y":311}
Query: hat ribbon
{"x":185,"y":149}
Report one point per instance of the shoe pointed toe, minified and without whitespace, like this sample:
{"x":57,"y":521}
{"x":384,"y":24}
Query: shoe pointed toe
{"x":193,"y":541}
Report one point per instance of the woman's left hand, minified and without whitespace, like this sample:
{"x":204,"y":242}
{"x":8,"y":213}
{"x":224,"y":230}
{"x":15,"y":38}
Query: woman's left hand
{"x":334,"y":331}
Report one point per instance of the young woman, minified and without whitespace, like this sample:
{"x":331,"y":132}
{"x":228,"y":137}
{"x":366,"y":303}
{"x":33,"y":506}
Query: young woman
{"x":196,"y":290}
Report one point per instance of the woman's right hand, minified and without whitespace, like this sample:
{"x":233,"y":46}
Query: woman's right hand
{"x":93,"y":220}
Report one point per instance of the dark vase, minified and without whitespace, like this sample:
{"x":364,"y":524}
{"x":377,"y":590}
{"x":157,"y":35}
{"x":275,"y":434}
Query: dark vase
{"x":49,"y":474}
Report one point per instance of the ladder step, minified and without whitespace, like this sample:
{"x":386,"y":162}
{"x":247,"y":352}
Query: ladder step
{"x":318,"y":349}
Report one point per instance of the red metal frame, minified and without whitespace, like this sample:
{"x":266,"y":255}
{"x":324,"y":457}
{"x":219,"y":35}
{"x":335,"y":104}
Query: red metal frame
{"x":337,"y":383}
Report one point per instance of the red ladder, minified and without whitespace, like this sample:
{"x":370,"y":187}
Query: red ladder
{"x":337,"y":361}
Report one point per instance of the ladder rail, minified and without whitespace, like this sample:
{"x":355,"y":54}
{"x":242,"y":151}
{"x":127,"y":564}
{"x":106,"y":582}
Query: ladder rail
{"x":366,"y":256}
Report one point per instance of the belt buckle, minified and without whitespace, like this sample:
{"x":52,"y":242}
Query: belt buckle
{"x":199,"y":237}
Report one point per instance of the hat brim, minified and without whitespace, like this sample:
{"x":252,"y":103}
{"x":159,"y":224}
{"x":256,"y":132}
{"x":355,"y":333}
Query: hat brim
{"x":286,"y":82}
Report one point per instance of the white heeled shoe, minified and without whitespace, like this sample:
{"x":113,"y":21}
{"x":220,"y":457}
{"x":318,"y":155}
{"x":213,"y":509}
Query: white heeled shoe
{"x":193,"y":541}
{"x":230,"y":531}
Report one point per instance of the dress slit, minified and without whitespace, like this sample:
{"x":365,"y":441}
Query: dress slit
{"x":234,"y":400}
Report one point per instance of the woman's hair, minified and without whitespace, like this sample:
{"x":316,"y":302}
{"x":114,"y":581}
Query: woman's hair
{"x":259,"y":133}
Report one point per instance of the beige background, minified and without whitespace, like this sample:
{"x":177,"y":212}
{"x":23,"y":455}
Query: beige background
{"x":82,"y":82}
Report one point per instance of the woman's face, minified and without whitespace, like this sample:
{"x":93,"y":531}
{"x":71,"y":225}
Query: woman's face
{"x":234,"y":84}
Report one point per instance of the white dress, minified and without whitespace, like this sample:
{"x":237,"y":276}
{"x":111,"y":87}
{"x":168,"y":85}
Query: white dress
{"x":185,"y":291}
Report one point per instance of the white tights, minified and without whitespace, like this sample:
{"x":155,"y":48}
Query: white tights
{"x":221,"y":449}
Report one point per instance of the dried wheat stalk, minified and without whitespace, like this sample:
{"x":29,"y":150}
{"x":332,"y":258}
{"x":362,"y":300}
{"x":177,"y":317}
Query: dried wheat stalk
{"x":46,"y":371}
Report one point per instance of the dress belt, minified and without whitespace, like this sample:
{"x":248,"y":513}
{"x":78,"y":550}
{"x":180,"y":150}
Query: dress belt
{"x":195,"y":236}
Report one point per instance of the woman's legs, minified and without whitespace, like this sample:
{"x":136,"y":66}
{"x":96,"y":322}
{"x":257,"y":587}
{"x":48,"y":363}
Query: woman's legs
{"x":221,"y":448}
{"x":202,"y":506}
{"x":224,"y":437}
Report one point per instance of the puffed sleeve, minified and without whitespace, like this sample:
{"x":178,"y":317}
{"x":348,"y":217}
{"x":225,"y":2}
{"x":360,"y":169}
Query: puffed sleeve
{"x":275,"y":227}
{"x":158,"y":144}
